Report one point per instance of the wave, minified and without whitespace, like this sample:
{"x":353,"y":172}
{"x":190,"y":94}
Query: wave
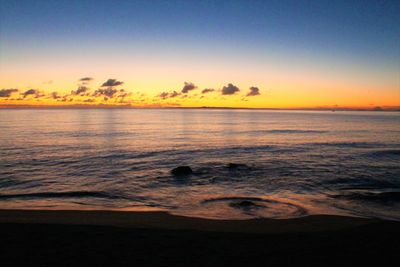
{"x":352,"y":144}
{"x":382,"y":197}
{"x":385,"y":153}
{"x":246,"y":203}
{"x":288,"y":131}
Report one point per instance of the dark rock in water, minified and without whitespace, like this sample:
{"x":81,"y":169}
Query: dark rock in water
{"x":236,"y":166}
{"x":244,"y":204}
{"x":182,"y":170}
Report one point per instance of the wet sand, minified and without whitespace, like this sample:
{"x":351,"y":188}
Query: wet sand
{"x":113,"y":238}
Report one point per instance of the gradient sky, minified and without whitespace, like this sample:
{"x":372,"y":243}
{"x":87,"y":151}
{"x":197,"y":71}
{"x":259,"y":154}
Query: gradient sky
{"x":296,"y":53}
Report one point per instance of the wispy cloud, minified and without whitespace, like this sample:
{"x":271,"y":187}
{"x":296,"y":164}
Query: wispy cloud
{"x":108,"y":92}
{"x":86,"y":79}
{"x":165,"y":95}
{"x":207,"y":90}
{"x":80,"y":91}
{"x":7,"y":92}
{"x":34,"y":92}
{"x":55,"y":95}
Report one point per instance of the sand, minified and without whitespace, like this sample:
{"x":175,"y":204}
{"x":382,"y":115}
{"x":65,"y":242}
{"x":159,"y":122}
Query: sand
{"x":115,"y":238}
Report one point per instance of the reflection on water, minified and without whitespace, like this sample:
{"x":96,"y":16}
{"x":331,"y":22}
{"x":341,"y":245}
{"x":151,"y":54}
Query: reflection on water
{"x":293,"y":163}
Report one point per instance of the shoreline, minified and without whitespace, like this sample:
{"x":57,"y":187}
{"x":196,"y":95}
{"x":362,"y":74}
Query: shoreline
{"x":164,"y":220}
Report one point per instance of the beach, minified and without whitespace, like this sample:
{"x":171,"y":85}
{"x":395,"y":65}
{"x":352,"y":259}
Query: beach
{"x":116,"y":238}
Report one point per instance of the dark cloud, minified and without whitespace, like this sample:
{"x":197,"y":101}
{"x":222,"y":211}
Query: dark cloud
{"x":55,"y":95}
{"x":108,"y":92}
{"x":207,"y":90}
{"x":34,"y":92}
{"x":165,"y":95}
{"x":86,"y":79}
{"x":188,"y":87}
{"x":230,"y":89}
{"x":173,"y":94}
{"x":112,"y":83}
{"x":7,"y":92}
{"x":253,"y":91}
{"x":80,"y":91}
{"x":89,"y":100}
{"x":124,"y":94}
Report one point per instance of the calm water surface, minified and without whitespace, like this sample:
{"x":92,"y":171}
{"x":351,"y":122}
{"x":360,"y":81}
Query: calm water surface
{"x":294,"y":162}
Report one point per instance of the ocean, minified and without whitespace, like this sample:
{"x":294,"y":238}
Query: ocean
{"x":284,"y":164}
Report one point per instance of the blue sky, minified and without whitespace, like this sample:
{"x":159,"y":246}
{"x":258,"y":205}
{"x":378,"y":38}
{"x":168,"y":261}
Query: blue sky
{"x":363,"y":36}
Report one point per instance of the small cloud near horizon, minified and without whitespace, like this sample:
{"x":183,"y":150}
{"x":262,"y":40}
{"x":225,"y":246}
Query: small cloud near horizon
{"x":86,"y":79}
{"x":8,"y":92}
{"x":188,"y":87}
{"x":165,"y":95}
{"x":34,"y":92}
{"x":230,"y":89}
{"x":55,"y":95}
{"x":107,"y":93}
{"x":81,"y":90}
{"x":207,"y":90}
{"x":112,"y":83}
{"x":253,"y":91}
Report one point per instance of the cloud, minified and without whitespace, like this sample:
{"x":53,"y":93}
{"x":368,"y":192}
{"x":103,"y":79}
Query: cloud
{"x":108,"y":92}
{"x":123,"y":94}
{"x":86,"y":79}
{"x":32,"y":92}
{"x":112,"y":83}
{"x":89,"y":100}
{"x":207,"y":90}
{"x":7,"y":92}
{"x":55,"y":95}
{"x":188,"y":87}
{"x":173,"y":94}
{"x":165,"y":95}
{"x":81,"y":90}
{"x":253,"y":91}
{"x":230,"y":89}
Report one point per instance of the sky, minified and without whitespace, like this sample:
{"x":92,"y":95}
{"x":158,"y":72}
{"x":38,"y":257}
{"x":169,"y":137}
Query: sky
{"x":250,"y":54}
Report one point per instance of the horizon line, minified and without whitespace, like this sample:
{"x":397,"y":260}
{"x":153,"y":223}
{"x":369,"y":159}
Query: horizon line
{"x":82,"y":106}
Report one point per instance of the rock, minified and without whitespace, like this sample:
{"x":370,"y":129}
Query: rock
{"x":236,"y":166}
{"x":244,"y":204}
{"x":182,"y":170}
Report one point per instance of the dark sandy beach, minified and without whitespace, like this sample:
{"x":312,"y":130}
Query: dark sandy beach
{"x":108,"y":238}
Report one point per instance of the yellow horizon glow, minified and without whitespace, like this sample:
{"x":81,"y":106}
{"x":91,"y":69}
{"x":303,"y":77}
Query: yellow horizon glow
{"x":300,"y":84}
